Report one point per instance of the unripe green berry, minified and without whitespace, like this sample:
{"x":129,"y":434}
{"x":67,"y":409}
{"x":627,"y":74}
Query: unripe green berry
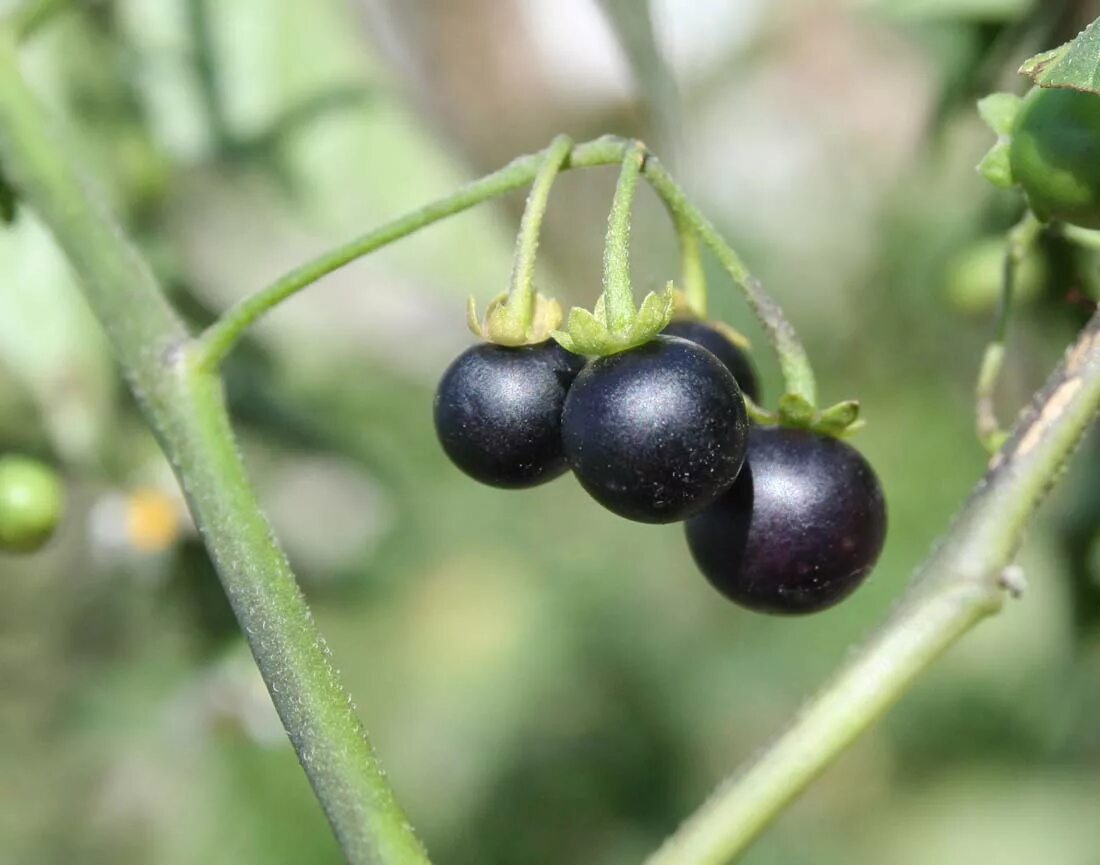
{"x":31,"y":502}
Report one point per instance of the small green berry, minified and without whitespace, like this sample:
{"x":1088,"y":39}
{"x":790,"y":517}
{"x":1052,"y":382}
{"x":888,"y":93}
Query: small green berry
{"x":31,"y":502}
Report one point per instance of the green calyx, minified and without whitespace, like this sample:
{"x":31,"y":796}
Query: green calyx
{"x":504,"y":324}
{"x":598,"y":334}
{"x":615,"y":324}
{"x":999,"y":111}
{"x":522,"y":316}
{"x":837,"y":421}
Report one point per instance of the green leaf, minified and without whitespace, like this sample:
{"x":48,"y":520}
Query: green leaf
{"x":632,"y":21}
{"x":996,"y":166}
{"x":1075,"y":65}
{"x":999,"y":111}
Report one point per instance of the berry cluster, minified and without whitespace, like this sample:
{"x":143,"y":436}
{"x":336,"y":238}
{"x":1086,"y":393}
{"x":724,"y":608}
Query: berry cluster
{"x":778,"y":519}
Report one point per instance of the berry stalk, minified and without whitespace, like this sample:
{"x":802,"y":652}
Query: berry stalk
{"x":798,"y":375}
{"x":618,"y":295}
{"x":1021,"y":239}
{"x":521,"y":295}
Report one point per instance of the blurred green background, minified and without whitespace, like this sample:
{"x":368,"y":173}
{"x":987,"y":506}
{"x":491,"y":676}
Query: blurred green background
{"x":546,"y":683}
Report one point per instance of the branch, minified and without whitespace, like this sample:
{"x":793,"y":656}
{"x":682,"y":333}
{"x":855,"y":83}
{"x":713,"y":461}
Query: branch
{"x":961,"y":583}
{"x":186,"y":409}
{"x":220,"y":338}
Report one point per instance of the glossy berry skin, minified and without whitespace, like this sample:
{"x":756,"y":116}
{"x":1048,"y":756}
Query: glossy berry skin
{"x":655,"y":433}
{"x":723,"y":348}
{"x":31,"y":502}
{"x":1055,"y":155}
{"x":498,"y":412}
{"x":800,"y":529}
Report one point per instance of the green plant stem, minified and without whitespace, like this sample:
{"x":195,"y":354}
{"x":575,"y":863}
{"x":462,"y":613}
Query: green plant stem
{"x":521,"y":297}
{"x":219,"y":338}
{"x":798,"y":376}
{"x":185,"y":407}
{"x":618,"y":295}
{"x":693,"y":275}
{"x":961,"y":583}
{"x":1021,"y":238}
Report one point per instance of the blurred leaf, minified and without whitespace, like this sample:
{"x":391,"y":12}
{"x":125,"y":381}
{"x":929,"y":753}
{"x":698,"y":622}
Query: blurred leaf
{"x":633,"y":24}
{"x":978,"y":10}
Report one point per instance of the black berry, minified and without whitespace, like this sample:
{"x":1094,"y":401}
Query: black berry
{"x":498,"y":412}
{"x":655,"y":433}
{"x":723,"y":348}
{"x":800,"y":529}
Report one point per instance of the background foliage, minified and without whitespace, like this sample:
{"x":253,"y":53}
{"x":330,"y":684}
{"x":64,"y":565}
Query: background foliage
{"x":533,"y":700}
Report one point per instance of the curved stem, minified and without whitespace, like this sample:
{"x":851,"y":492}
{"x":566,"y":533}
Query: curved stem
{"x":186,"y":409}
{"x":960,"y":584}
{"x":1019,"y":242}
{"x":617,"y":294}
{"x":220,"y":338}
{"x":692,"y":273}
{"x":521,"y":296}
{"x":798,"y":375}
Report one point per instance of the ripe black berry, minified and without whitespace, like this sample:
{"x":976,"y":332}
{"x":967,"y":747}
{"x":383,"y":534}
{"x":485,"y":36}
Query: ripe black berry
{"x":655,"y":433}
{"x":723,"y":348}
{"x":800,"y":529}
{"x":498,"y":412}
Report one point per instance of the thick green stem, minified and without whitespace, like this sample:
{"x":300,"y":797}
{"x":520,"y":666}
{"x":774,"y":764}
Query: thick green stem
{"x":185,"y":407}
{"x":521,"y":298}
{"x":618,"y":295}
{"x":960,"y":584}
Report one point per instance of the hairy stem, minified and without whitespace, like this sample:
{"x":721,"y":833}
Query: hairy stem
{"x":185,"y":407}
{"x":223,"y":335}
{"x":220,"y":338}
{"x":521,"y":299}
{"x":618,"y":296}
{"x":959,"y":584}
